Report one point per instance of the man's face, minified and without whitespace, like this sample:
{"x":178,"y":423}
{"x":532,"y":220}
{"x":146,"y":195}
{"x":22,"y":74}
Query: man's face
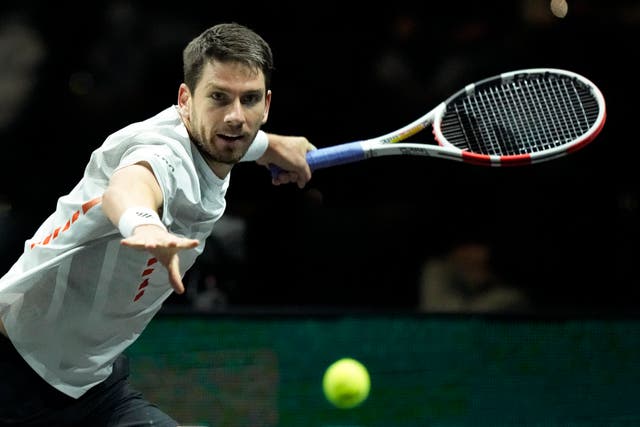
{"x":225,"y":112}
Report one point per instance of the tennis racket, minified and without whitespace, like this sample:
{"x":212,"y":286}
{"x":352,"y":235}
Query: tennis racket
{"x":512,"y":119}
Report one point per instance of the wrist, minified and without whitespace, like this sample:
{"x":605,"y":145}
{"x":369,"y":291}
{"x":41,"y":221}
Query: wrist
{"x":257,"y":147}
{"x":133,"y":217}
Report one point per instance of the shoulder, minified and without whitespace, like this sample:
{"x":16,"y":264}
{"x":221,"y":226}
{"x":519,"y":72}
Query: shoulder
{"x":163,"y":133}
{"x":165,"y":127}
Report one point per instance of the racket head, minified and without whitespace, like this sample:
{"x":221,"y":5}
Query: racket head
{"x":521,"y":117}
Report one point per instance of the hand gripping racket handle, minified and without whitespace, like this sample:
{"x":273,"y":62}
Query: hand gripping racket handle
{"x":330,"y":156}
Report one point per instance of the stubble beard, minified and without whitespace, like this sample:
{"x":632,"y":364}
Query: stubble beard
{"x":227,"y":157}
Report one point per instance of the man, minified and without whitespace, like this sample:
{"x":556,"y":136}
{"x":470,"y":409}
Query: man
{"x":99,"y":268}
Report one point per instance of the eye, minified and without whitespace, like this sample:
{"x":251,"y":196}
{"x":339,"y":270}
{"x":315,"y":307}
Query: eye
{"x":219,"y":97}
{"x":251,"y":98}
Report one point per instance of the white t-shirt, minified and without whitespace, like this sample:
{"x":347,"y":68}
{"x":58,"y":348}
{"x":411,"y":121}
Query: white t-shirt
{"x":76,"y":298}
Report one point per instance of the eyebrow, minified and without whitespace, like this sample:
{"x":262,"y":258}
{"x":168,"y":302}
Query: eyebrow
{"x":214,"y":87}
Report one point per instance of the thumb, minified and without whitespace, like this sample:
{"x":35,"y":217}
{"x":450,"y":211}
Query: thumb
{"x":175,"y":278}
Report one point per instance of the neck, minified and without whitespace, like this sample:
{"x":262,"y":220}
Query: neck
{"x":221,"y":170}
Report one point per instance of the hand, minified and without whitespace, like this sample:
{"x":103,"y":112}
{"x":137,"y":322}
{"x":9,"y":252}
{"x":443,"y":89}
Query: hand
{"x":289,"y":154}
{"x":164,"y":246}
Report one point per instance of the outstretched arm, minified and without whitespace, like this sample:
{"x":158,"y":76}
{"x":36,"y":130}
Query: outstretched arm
{"x":135,"y":188}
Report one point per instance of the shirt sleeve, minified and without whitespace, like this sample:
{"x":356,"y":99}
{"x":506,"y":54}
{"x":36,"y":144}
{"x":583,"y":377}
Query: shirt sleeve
{"x":257,"y":147}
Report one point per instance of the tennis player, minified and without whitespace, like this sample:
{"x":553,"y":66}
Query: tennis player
{"x":98,"y":269}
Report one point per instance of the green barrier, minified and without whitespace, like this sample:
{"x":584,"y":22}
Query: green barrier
{"x":425,"y":370}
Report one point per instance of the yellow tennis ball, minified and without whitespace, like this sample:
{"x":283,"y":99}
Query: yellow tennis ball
{"x":346,"y":383}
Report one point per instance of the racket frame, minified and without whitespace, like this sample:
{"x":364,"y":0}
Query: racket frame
{"x":391,"y":143}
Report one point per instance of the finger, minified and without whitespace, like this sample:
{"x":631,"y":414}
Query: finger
{"x":181,"y":244}
{"x":189,"y":243}
{"x":174,"y":275}
{"x":303,"y":177}
{"x":282,"y":178}
{"x":293,"y":177}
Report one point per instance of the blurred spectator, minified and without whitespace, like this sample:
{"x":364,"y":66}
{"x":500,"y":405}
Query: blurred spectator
{"x":22,"y":51}
{"x":213,"y":280}
{"x":463,"y":280}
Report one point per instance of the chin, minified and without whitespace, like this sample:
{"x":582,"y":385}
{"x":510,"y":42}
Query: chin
{"x":230,"y":159}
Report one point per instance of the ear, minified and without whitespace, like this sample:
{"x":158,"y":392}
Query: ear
{"x":184,"y":100}
{"x":267,"y":104}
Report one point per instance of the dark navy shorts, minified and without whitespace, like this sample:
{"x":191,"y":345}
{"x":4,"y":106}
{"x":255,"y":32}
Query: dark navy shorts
{"x":27,"y":400}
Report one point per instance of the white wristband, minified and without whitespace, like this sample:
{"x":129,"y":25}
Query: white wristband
{"x":133,"y":217}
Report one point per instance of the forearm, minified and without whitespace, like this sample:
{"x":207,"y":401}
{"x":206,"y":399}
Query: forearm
{"x":132,"y":193}
{"x":132,"y":186}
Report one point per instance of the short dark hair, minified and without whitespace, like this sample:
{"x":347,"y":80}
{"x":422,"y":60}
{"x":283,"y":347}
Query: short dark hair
{"x":226,"y":42}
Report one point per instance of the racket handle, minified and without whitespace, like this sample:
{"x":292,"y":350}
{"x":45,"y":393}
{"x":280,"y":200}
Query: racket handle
{"x":330,"y":156}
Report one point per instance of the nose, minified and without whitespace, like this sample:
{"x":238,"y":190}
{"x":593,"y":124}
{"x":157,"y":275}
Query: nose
{"x":235,"y":114}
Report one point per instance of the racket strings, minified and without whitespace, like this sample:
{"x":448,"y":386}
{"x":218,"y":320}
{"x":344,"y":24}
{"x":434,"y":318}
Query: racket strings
{"x":521,"y":117}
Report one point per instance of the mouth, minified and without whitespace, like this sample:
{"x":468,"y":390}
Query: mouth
{"x":229,"y":138}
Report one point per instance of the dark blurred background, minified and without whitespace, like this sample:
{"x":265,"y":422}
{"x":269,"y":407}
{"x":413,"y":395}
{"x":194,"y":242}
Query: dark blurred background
{"x":386,"y":234}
